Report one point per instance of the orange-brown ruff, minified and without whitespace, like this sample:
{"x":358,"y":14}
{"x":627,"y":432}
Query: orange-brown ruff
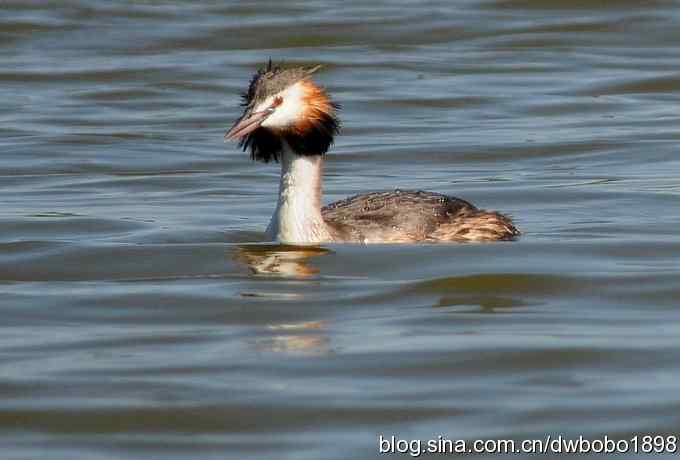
{"x":291,"y":120}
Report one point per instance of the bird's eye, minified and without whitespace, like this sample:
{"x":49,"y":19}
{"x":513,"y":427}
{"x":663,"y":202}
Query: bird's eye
{"x":278,"y":100}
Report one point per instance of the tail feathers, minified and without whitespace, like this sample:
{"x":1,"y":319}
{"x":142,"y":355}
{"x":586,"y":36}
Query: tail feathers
{"x":476,"y":226}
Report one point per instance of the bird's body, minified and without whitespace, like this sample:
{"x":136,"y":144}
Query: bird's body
{"x":291,"y":120}
{"x":409,"y":216}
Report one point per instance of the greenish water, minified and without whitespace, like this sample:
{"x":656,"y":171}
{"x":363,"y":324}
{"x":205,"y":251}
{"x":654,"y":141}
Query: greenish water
{"x":143,"y":315}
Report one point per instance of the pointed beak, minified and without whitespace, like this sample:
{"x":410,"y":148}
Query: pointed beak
{"x":248,"y":123}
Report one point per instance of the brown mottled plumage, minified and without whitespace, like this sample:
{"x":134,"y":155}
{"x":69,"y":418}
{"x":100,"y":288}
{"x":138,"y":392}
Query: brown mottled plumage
{"x":290,"y":119}
{"x":412,"y":216}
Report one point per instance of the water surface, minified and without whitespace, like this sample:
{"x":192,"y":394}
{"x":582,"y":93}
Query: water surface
{"x":145,"y":316}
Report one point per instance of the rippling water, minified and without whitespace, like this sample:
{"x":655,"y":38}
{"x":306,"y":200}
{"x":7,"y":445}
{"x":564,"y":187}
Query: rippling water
{"x":143,"y":316}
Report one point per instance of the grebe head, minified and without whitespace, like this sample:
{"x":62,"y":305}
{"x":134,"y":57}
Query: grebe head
{"x":284,"y":105}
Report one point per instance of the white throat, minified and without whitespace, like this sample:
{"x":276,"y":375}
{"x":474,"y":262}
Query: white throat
{"x":297,"y":218}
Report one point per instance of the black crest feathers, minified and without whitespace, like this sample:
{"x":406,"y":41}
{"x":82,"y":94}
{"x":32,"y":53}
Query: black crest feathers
{"x":317,"y":128}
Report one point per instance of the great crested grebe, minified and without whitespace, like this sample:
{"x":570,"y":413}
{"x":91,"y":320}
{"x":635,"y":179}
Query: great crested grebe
{"x":291,"y":120}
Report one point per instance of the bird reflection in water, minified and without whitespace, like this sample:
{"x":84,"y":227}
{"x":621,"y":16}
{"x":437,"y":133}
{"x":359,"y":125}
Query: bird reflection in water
{"x":307,"y":338}
{"x":280,"y":260}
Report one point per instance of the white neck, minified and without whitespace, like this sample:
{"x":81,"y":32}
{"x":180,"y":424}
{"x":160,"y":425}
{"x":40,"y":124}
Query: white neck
{"x":297,"y":218}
